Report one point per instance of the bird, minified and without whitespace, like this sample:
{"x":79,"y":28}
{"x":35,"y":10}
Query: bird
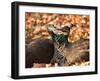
{"x":67,"y":53}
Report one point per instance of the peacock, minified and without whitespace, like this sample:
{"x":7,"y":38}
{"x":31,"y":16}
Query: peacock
{"x":67,"y":53}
